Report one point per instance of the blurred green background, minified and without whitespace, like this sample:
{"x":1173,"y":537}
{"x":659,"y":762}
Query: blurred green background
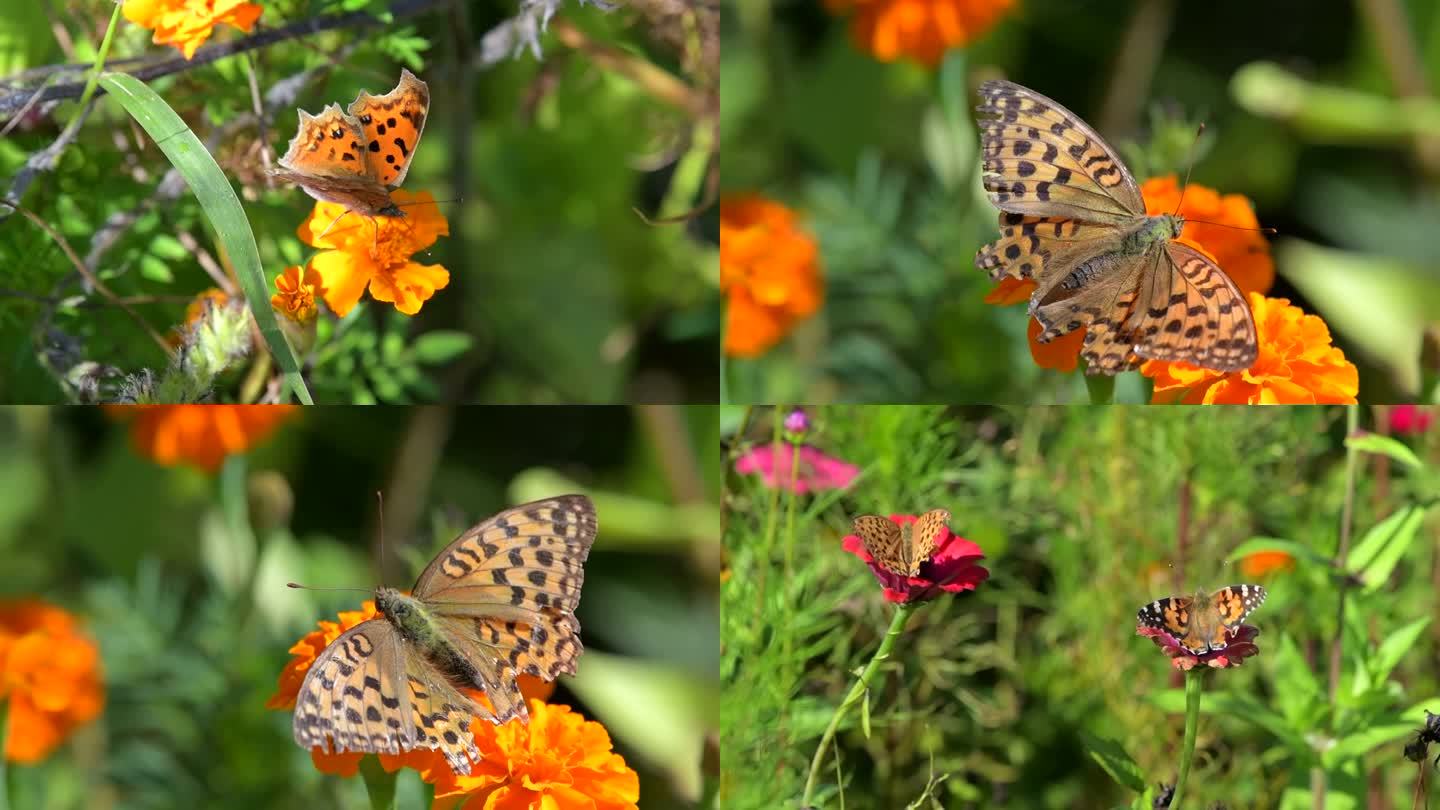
{"x":180,"y":576}
{"x":1323,"y":114}
{"x":1002,"y":697}
{"x":560,"y":291}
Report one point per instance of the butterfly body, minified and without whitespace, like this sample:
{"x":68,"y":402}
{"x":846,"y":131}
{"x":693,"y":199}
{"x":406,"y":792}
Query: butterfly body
{"x":1202,"y":623}
{"x":496,"y":603}
{"x":1073,"y":221}
{"x":356,"y":157}
{"x":901,"y":548}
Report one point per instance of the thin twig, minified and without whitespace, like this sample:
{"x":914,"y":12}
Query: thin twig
{"x":653,"y":80}
{"x":90,"y":277}
{"x":218,"y":51}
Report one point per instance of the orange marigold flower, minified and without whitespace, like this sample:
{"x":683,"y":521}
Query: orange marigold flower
{"x":920,"y":29}
{"x":49,"y":676}
{"x":770,"y":271}
{"x":309,"y":647}
{"x":207,"y":298}
{"x":202,"y":435}
{"x":186,"y":24}
{"x":296,"y":294}
{"x":1244,"y":255}
{"x":1297,"y":365}
{"x":557,"y":761}
{"x":1262,"y":563}
{"x":377,"y":251}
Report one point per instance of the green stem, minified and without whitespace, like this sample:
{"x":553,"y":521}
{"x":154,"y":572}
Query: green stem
{"x":99,"y":61}
{"x":857,"y":692}
{"x":1101,"y":388}
{"x":1193,"y":680}
{"x":790,"y":509}
{"x":379,"y":784}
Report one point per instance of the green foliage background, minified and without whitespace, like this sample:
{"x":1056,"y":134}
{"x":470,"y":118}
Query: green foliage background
{"x":1004,"y":697}
{"x":559,"y":290}
{"x":1305,"y":113}
{"x":180,"y":577}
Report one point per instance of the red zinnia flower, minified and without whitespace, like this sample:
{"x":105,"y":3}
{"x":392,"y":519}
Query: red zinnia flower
{"x":1408,"y":420}
{"x":953,"y":567}
{"x":1240,"y":645}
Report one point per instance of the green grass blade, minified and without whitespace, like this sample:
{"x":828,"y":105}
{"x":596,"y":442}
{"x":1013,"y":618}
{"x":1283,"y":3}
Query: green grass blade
{"x":221,"y":205}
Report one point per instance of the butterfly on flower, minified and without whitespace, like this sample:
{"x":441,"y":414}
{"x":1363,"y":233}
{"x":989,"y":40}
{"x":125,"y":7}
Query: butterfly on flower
{"x":1072,"y":220}
{"x":356,"y":157}
{"x":1202,"y":623}
{"x":499,"y":601}
{"x":901,"y":548}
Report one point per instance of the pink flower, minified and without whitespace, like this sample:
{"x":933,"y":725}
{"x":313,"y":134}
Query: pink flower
{"x":951,"y":568}
{"x":1408,"y":420}
{"x":1241,"y":645}
{"x":797,"y":422}
{"x":815,"y":472}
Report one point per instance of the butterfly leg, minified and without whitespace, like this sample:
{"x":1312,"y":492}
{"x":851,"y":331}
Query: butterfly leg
{"x":332,"y":224}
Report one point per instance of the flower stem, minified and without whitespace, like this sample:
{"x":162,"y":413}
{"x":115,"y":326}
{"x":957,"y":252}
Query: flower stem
{"x":378,"y":783}
{"x":1193,"y":680}
{"x":897,"y":626}
{"x":99,"y":61}
{"x":1101,"y":388}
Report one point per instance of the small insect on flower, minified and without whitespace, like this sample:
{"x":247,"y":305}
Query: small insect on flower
{"x":1418,"y":749}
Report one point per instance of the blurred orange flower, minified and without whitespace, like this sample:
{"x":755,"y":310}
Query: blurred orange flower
{"x":1244,"y":255}
{"x":1262,"y":563}
{"x":202,"y":435}
{"x":1297,"y":365}
{"x":296,"y":294}
{"x":186,"y":24}
{"x":557,"y":761}
{"x":770,"y":271}
{"x":377,"y":251}
{"x":205,"y":299}
{"x":49,"y":676}
{"x":309,"y":647}
{"x":920,"y":29}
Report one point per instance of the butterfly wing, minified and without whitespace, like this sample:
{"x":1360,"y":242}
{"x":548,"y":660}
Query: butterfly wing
{"x":328,"y":145}
{"x":505,"y":593}
{"x":1191,"y":311}
{"x":1032,"y":247}
{"x":1171,"y":614}
{"x":1040,"y":159}
{"x":1236,"y":602}
{"x":391,"y":127}
{"x":882,"y":537}
{"x":368,"y":692}
{"x":924,"y":536}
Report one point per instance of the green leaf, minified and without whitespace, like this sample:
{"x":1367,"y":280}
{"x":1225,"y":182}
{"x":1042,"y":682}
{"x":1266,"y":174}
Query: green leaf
{"x":434,"y":348}
{"x":1377,"y":553}
{"x":1361,"y":742}
{"x":1394,"y":647}
{"x":865,"y":713}
{"x":1386,"y":446}
{"x":1111,"y":757}
{"x":221,"y":206}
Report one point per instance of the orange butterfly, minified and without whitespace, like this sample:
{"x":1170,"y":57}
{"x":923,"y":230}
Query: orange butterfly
{"x":357,"y":157}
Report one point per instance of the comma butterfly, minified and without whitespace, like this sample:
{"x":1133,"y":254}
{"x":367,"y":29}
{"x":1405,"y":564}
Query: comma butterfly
{"x":1072,"y":219}
{"x":356,"y":157}
{"x":1202,"y":623}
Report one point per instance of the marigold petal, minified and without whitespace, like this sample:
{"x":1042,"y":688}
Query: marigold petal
{"x":409,"y":285}
{"x":346,"y":275}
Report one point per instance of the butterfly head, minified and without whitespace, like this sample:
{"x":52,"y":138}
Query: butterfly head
{"x":407,"y":613}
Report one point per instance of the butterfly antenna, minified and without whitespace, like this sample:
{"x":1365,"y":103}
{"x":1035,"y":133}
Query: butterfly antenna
{"x":380,"y":501}
{"x":300,"y":587}
{"x":1190,"y":165}
{"x":1228,"y":225}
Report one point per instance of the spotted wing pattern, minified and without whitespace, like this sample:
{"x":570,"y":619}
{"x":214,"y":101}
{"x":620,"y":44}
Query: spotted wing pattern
{"x":881,"y":537}
{"x":505,"y":594}
{"x":1191,"y":311}
{"x":1040,"y":159}
{"x":392,"y":125}
{"x":1201,"y":624}
{"x":369,"y":692}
